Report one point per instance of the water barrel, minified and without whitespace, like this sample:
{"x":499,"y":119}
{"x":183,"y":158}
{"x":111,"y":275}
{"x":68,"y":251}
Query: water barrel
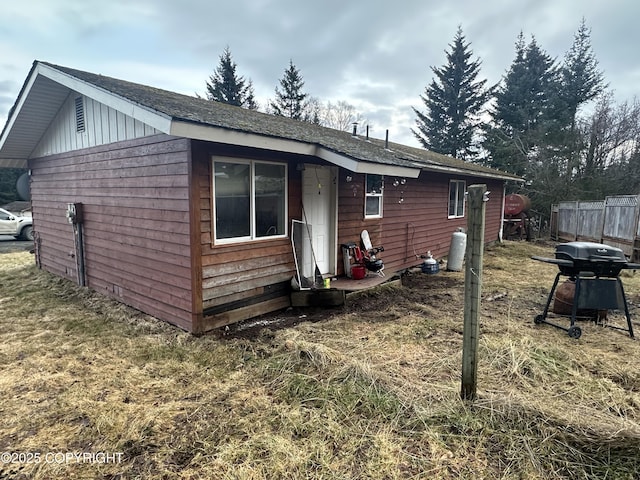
{"x":515,"y":204}
{"x":456,"y":251}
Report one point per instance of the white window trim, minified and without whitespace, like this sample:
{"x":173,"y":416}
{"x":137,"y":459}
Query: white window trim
{"x":457,"y":183}
{"x":252,"y":201}
{"x":379,"y":196}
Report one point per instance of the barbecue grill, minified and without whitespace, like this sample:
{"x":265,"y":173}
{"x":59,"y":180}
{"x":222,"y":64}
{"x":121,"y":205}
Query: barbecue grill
{"x":595,"y":268}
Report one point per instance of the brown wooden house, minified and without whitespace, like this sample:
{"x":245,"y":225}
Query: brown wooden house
{"x":185,"y":206}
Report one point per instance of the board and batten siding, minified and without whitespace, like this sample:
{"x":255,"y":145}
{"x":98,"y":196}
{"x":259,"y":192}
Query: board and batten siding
{"x":136,"y":226}
{"x":102,"y":125}
{"x":415,"y":217}
{"x":247,"y":279}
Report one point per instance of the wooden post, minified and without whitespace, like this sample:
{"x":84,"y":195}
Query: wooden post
{"x":472,"y":287}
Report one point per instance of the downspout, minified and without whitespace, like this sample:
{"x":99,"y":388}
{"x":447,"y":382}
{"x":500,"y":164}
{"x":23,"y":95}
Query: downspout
{"x":504,"y":195}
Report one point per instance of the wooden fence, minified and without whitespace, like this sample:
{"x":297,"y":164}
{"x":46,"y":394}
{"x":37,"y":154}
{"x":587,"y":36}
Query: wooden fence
{"x":614,"y":221}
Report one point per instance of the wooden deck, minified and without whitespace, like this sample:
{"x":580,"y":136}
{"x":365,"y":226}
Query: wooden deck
{"x":340,"y":287}
{"x":370,"y":281}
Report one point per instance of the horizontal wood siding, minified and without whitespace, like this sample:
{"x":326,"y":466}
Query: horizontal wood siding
{"x":415,"y":217}
{"x":242,"y":277}
{"x":136,"y":228}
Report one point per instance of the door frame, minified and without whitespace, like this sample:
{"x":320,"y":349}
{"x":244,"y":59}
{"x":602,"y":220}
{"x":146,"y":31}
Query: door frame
{"x":332,"y":237}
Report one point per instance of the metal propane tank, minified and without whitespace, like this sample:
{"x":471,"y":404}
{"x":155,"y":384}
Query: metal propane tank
{"x":430,"y":264}
{"x":457,"y":250}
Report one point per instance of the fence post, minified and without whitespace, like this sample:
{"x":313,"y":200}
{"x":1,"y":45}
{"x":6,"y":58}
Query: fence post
{"x":477,"y":195}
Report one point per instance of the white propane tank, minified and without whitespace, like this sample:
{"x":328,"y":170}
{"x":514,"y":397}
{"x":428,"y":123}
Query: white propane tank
{"x":456,"y":251}
{"x":430,"y":264}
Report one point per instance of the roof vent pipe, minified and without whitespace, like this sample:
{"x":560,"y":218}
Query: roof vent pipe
{"x":386,"y":140}
{"x":355,"y":129}
{"x":367,"y":132}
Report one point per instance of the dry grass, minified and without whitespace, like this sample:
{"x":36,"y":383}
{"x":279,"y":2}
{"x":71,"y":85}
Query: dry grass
{"x":368,"y":391}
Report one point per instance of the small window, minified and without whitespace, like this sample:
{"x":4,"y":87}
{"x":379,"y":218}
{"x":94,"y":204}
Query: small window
{"x":250,"y":200}
{"x":456,"y":198}
{"x":80,"y":124}
{"x":373,"y":196}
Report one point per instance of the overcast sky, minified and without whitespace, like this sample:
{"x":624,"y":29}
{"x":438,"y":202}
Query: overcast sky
{"x":373,"y":54}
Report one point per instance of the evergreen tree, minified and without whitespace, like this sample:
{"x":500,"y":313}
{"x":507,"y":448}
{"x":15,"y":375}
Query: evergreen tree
{"x":313,"y":110}
{"x":581,"y":79}
{"x":250,"y":97}
{"x":525,"y":117}
{"x":290,"y":100}
{"x":581,"y":82}
{"x":453,"y":102}
{"x":227,"y":87}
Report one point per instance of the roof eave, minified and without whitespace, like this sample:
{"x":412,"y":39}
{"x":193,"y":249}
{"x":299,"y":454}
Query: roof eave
{"x":360,"y":166}
{"x":198,"y":131}
{"x":13,"y":113}
{"x":471,"y":173}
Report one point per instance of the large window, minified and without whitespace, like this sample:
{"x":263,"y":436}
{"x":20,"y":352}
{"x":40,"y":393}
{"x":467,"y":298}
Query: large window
{"x":373,"y":196}
{"x":250,"y":200}
{"x":456,"y":198}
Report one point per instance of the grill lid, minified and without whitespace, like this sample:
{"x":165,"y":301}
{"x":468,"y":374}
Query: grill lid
{"x":588,"y":258}
{"x":589,"y":252}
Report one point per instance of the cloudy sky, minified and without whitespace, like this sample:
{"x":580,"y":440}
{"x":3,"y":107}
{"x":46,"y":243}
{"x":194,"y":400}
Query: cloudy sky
{"x":373,"y":54}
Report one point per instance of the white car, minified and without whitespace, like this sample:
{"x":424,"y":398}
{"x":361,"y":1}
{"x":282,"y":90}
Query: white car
{"x":18,"y":225}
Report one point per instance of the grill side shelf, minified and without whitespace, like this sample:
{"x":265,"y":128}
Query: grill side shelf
{"x":556,"y":261}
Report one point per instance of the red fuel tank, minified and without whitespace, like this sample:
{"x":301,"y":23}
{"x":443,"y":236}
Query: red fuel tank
{"x":515,"y":204}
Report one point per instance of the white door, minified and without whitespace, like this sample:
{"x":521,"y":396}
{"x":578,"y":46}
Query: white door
{"x":317,"y":195}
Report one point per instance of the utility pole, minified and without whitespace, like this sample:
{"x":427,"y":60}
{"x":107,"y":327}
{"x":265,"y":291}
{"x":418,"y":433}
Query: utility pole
{"x":477,"y":195}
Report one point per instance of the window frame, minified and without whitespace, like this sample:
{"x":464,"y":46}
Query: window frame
{"x":252,"y":237}
{"x":379,"y":196}
{"x":458,"y":197}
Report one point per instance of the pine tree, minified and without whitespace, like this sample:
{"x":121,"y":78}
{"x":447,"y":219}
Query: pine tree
{"x":581,"y":83}
{"x":290,"y":100}
{"x":581,"y":79}
{"x":250,"y":97}
{"x":525,"y":117}
{"x":453,"y":102}
{"x":227,"y":87}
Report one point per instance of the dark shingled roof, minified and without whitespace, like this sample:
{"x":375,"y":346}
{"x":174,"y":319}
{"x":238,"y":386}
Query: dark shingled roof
{"x":209,"y":113}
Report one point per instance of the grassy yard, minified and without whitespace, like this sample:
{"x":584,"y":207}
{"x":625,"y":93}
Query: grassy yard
{"x":371,"y":390}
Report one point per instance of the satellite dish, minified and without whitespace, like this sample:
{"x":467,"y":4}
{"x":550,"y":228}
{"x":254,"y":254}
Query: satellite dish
{"x":22,"y":186}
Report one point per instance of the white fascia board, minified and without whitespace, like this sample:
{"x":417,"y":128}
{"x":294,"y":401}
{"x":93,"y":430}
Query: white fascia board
{"x":157,"y":120}
{"x":358,"y":166}
{"x":337,"y":159}
{"x":235,"y":137}
{"x":469,"y":173}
